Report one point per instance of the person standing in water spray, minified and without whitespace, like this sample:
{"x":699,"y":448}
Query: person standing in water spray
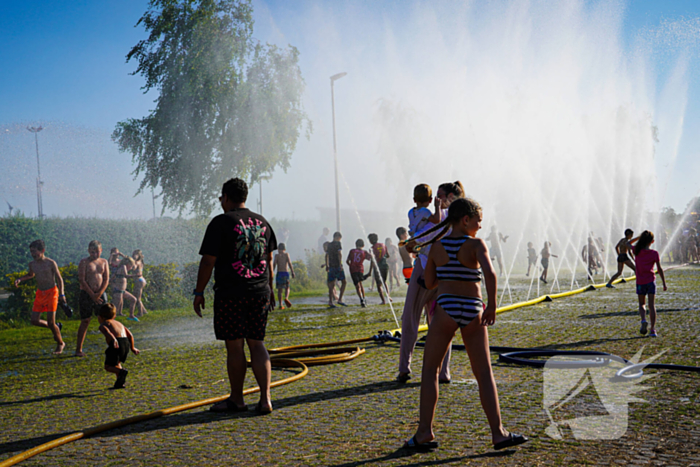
{"x":545,"y":254}
{"x":646,"y":280}
{"x":453,"y":268}
{"x":139,"y":281}
{"x":418,"y":296}
{"x":394,"y":260}
{"x":238,"y":246}
{"x":93,"y":275}
{"x":624,"y":249}
{"x":334,"y":266}
{"x":119,"y":292}
{"x":495,"y":237}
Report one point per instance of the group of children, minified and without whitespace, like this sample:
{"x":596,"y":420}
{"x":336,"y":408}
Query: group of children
{"x":93,"y":276}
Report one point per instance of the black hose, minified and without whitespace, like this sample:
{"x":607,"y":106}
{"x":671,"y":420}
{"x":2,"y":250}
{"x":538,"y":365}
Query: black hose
{"x":528,"y":357}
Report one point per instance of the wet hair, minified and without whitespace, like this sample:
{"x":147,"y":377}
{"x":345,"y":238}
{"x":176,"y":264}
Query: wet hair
{"x":646,"y":239}
{"x":373,"y":238}
{"x":38,"y":245}
{"x":629,"y":232}
{"x":282,"y":247}
{"x":529,"y":243}
{"x":460,"y":208}
{"x":453,"y":188}
{"x":236,"y":190}
{"x":359,"y":243}
{"x":137,"y":255}
{"x":337,"y":235}
{"x":326,"y":230}
{"x":400,"y":231}
{"x":387,"y":241}
{"x":107,"y":311}
{"x":113,"y":250}
{"x":325,"y":246}
{"x":422,"y":193}
{"x":93,"y":245}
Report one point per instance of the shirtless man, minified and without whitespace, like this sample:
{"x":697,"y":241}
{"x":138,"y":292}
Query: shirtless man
{"x":49,"y":290}
{"x":625,"y":251}
{"x":283,"y":264}
{"x":93,"y":275}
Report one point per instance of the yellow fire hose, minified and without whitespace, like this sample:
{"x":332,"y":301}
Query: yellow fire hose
{"x":297,"y":356}
{"x":285,"y":357}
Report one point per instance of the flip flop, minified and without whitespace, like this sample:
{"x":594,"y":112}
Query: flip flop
{"x":513,"y":440}
{"x":413,"y":445}
{"x":227,"y":406}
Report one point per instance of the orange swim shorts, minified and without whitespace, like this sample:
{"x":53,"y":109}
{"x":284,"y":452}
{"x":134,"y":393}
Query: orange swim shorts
{"x":46,"y":300}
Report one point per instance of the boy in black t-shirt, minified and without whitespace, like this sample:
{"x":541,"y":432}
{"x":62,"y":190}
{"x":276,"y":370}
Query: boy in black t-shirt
{"x":238,"y":246}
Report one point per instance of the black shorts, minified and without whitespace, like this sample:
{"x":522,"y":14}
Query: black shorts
{"x":114,"y":357}
{"x":357,"y":277}
{"x":621,"y":258}
{"x":383,"y":270}
{"x":88,"y":307}
{"x":241,"y":316}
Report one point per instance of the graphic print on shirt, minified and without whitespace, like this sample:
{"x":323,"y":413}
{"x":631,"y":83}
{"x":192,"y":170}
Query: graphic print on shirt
{"x":250,"y":248}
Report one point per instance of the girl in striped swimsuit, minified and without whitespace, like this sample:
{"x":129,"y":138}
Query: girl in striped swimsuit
{"x":453,"y":267}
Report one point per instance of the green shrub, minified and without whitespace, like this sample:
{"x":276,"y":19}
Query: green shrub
{"x":163,"y":289}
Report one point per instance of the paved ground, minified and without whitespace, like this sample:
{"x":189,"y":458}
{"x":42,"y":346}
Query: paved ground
{"x":352,"y":414}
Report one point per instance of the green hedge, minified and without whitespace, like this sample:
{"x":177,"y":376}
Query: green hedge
{"x":162,"y":240}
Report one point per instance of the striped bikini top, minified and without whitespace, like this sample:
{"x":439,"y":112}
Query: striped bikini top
{"x":453,"y":270}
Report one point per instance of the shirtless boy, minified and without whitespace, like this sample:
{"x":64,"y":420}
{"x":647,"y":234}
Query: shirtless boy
{"x":119,"y":341}
{"x":625,"y":254}
{"x":93,"y":275}
{"x":283,"y":264}
{"x":49,"y":290}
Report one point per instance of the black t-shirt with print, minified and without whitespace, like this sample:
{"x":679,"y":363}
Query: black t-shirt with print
{"x":333,"y":250}
{"x":240,"y":239}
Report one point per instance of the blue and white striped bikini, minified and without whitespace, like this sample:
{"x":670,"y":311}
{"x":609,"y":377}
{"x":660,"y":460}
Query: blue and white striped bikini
{"x":460,"y":308}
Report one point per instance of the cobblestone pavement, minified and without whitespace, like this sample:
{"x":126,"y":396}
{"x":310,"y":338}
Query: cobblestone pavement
{"x":352,"y":414}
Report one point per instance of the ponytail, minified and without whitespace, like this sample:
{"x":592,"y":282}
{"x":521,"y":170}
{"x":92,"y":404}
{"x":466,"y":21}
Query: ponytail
{"x":459,"y":208}
{"x":646,"y":239}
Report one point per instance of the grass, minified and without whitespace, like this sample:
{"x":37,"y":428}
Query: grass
{"x":350,"y":414}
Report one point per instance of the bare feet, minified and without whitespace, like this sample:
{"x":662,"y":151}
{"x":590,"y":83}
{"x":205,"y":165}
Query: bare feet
{"x":80,"y":353}
{"x":288,"y":303}
{"x":59,"y":348}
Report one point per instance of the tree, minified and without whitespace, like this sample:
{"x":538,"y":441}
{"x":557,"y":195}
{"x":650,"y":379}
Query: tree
{"x":227,"y":105}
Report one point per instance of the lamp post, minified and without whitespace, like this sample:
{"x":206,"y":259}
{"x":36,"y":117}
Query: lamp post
{"x":36,"y":130}
{"x":334,"y":78}
{"x":260,"y":201}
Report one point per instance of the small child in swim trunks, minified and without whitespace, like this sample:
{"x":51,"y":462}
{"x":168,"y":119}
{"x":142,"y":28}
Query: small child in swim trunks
{"x":49,"y":290}
{"x":282,"y":262}
{"x":119,"y":340}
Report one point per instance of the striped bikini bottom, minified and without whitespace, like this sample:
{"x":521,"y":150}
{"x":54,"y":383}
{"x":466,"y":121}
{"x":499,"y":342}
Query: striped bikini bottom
{"x":460,"y":308}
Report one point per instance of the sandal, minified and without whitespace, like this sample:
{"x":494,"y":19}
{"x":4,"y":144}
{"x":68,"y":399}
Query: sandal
{"x":512,"y":440}
{"x":227,"y":406}
{"x":263,"y":411}
{"x":414,"y":445}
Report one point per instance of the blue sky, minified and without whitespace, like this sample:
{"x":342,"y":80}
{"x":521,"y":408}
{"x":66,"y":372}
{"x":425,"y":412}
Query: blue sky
{"x":63,"y":65}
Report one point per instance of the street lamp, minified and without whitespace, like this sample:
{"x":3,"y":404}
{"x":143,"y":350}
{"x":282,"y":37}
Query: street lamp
{"x":334,"y":78}
{"x":36,"y":130}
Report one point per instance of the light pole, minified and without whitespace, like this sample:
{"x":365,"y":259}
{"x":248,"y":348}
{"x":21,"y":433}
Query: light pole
{"x":36,"y":130}
{"x":334,"y":78}
{"x":260,"y":180}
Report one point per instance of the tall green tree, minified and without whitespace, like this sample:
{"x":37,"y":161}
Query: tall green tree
{"x":227,"y":105}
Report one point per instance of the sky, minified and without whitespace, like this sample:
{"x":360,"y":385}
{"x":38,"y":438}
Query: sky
{"x":63,"y":67}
